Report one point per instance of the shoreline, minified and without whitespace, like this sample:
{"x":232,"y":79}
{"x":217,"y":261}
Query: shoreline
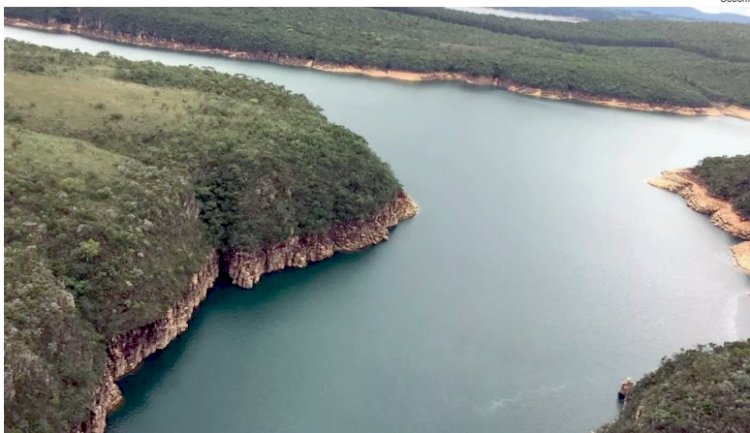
{"x":399,"y":75}
{"x":720,"y":211}
{"x":126,"y":352}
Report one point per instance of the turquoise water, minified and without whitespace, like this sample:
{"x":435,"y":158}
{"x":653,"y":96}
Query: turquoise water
{"x":540,"y":272}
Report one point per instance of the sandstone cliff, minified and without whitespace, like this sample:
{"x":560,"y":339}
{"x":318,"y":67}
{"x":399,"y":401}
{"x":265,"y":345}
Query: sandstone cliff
{"x":126,"y":352}
{"x":721,"y":212}
{"x":142,"y":39}
{"x":246,"y":267}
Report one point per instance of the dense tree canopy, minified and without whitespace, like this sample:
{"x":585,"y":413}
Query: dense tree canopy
{"x":702,"y":390}
{"x":120,"y":178}
{"x":681,"y":63}
{"x":728,"y":178}
{"x":714,"y":40}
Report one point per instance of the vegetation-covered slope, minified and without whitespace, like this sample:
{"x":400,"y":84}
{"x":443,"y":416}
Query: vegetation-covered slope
{"x":94,"y":243}
{"x":718,"y":41}
{"x":727,"y":178}
{"x":703,"y":390}
{"x":108,"y":166}
{"x":693,"y":64}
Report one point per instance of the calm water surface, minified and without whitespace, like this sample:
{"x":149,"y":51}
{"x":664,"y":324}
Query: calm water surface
{"x":540,"y":272}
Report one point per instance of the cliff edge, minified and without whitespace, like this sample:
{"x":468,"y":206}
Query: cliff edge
{"x":246,"y":267}
{"x":120,"y":215}
{"x":126,"y":352}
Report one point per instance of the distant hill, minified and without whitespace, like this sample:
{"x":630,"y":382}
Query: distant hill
{"x":656,"y":13}
{"x":693,"y":14}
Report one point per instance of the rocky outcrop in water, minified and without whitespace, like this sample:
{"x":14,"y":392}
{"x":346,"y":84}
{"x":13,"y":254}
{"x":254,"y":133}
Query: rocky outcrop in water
{"x":721,"y":212}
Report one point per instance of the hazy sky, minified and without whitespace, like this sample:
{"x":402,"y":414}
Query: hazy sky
{"x":733,"y":9}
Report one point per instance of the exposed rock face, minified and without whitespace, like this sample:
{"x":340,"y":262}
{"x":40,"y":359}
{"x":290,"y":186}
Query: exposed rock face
{"x":741,"y":253}
{"x":106,"y":398}
{"x":97,"y":32}
{"x":125,"y":352}
{"x":246,"y":267}
{"x":721,"y":212}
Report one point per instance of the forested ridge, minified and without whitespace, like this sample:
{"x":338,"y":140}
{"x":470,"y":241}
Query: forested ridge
{"x":679,"y":63}
{"x":120,"y":178}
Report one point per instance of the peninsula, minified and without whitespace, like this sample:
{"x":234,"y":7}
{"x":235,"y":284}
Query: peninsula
{"x":130,"y":187}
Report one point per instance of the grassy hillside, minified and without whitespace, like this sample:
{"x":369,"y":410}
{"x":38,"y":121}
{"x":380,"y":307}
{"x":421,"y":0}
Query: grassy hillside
{"x":728,"y":178}
{"x":691,"y":64}
{"x":120,"y":177}
{"x":703,"y":390}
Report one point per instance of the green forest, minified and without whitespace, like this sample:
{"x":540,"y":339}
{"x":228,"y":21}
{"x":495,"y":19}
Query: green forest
{"x":682,"y":63}
{"x":120,"y":178}
{"x":707,"y":39}
{"x":702,"y":390}
{"x":727,"y":177}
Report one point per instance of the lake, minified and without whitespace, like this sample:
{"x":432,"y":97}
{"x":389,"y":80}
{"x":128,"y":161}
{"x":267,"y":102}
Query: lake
{"x":540,"y":272}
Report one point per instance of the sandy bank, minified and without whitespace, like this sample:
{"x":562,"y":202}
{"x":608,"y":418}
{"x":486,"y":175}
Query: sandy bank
{"x":721,"y":212}
{"x":401,"y":75}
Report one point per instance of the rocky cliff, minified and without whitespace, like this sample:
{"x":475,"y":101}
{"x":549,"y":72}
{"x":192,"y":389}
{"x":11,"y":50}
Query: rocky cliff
{"x":126,"y":352}
{"x":96,"y":31}
{"x":721,"y":212}
{"x":246,"y":267}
